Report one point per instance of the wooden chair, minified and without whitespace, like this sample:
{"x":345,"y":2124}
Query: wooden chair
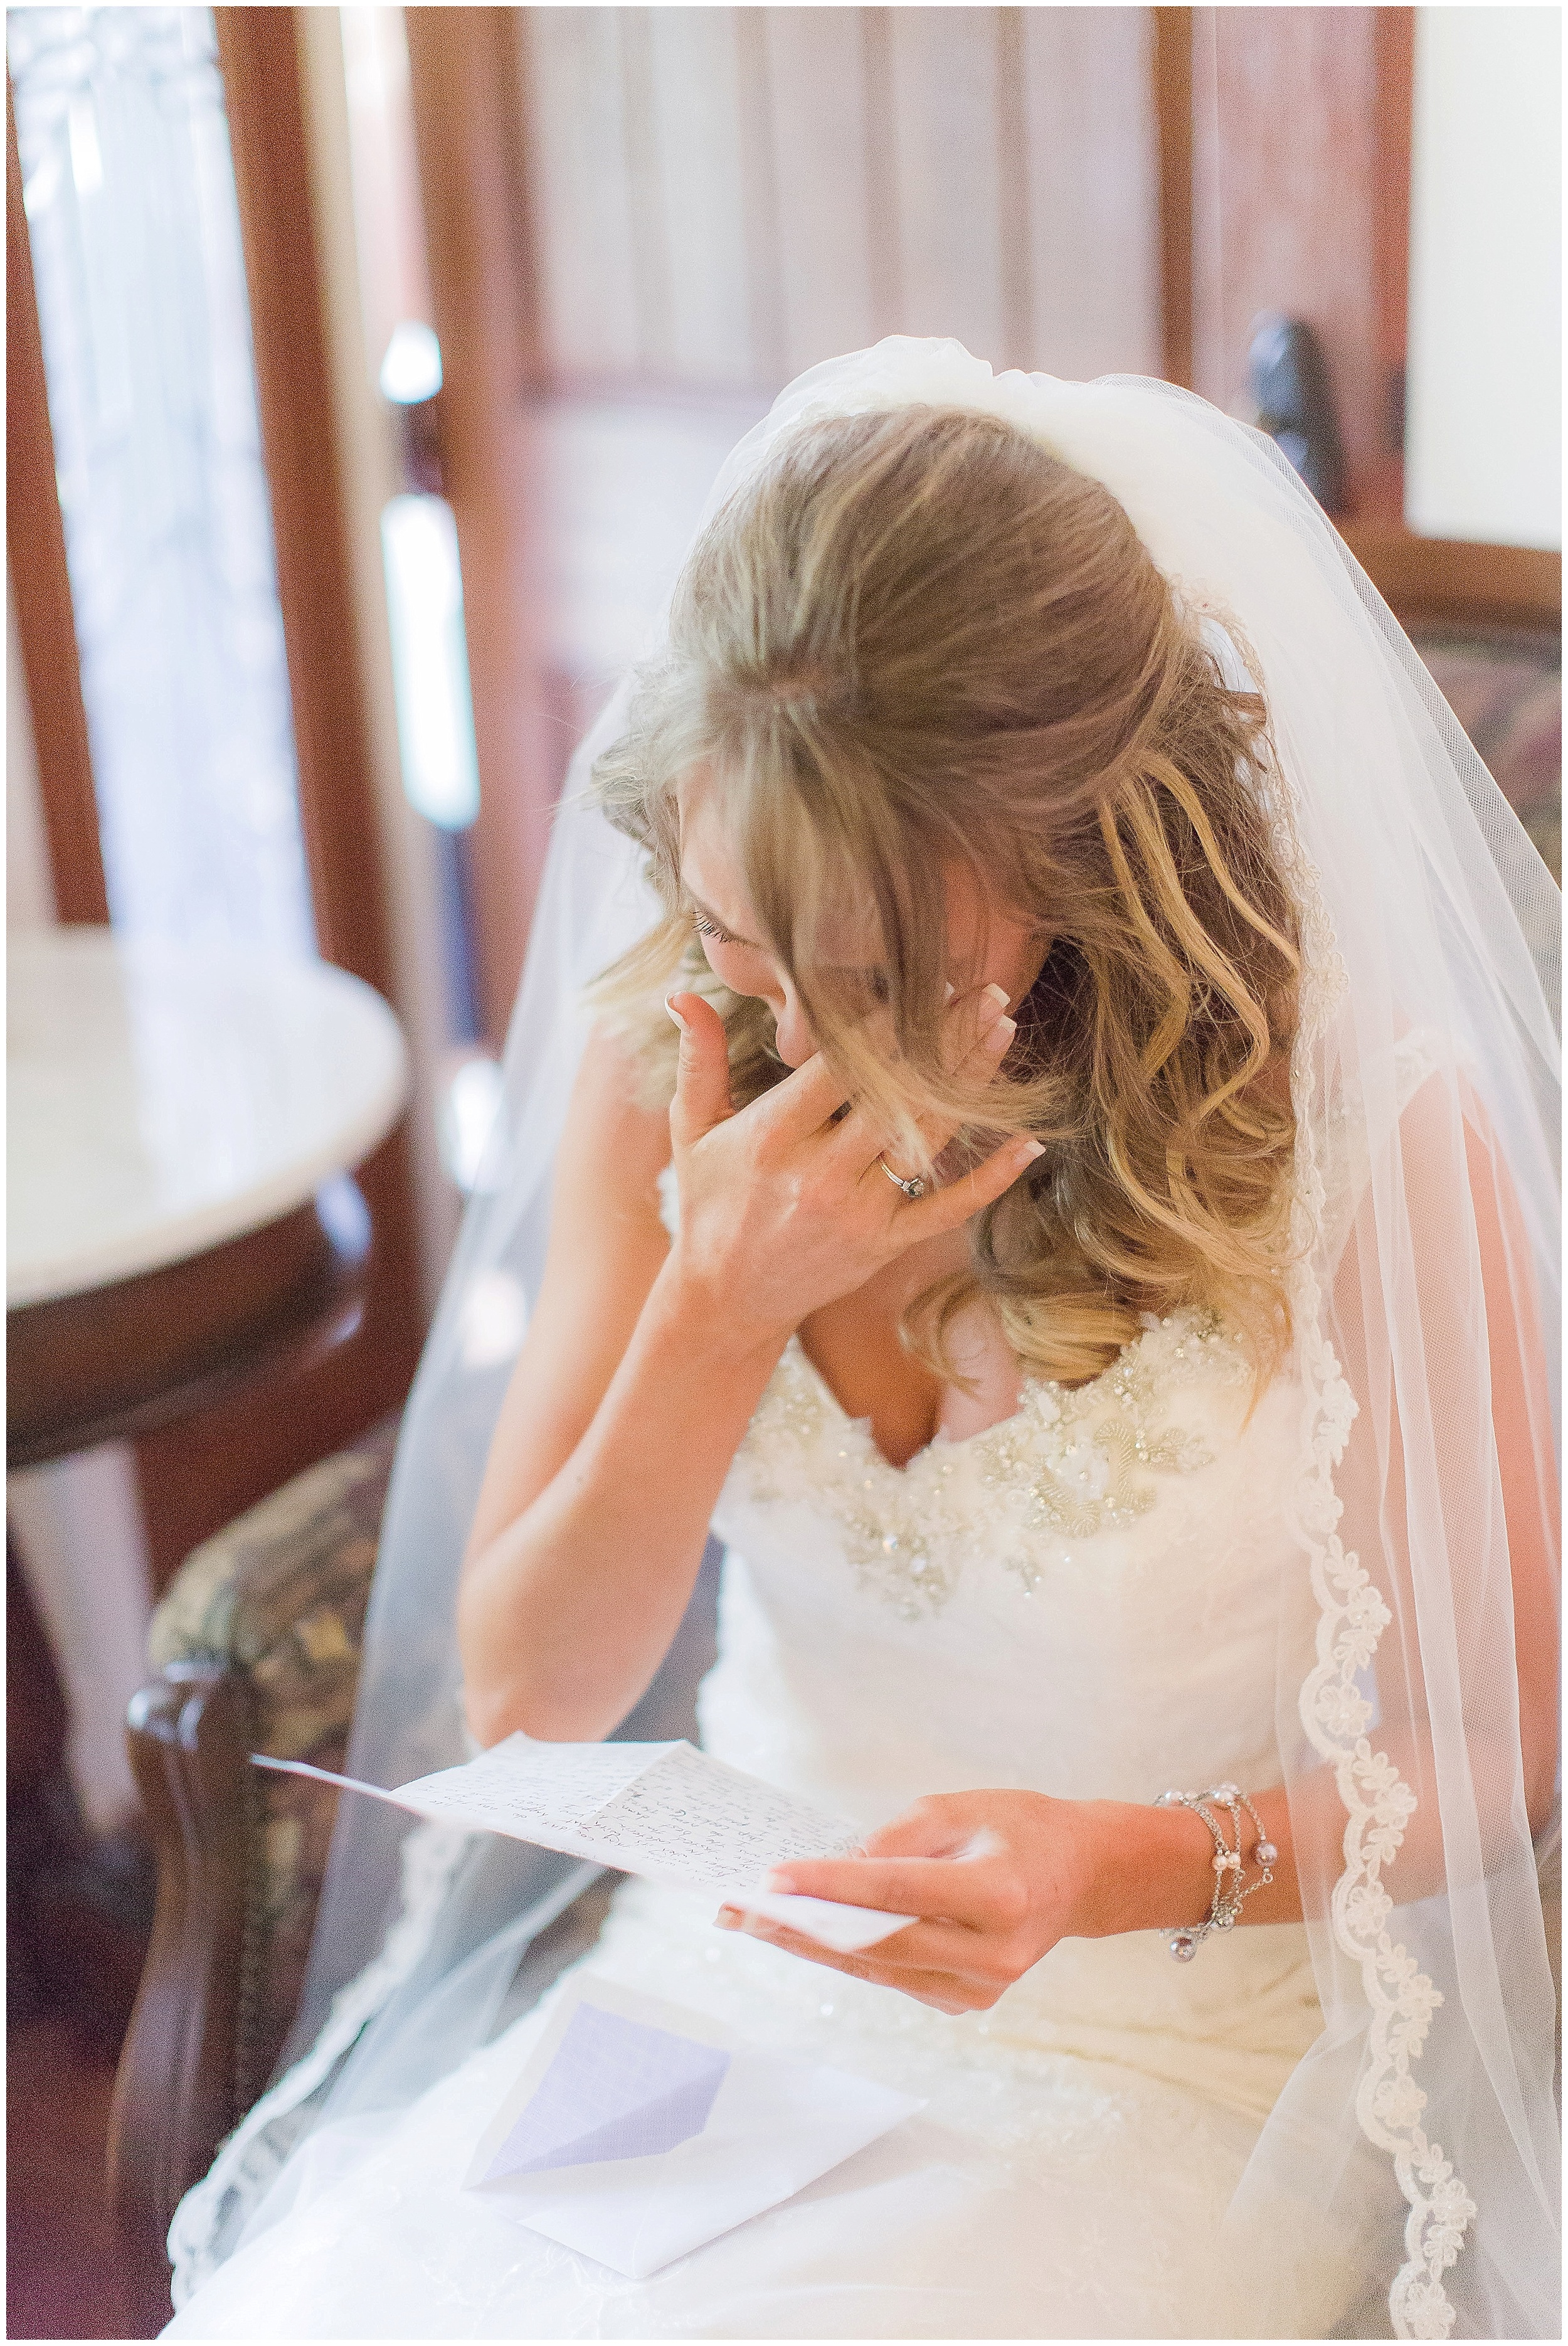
{"x":257,"y":1646}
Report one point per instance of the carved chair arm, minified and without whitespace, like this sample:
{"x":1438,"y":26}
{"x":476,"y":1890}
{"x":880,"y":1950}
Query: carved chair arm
{"x":257,"y":1646}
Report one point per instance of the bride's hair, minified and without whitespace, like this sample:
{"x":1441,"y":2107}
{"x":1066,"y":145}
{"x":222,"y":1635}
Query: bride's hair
{"x":919,"y":644}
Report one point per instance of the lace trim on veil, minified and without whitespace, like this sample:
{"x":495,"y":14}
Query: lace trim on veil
{"x":1336,"y":1715}
{"x":209,"y":2220}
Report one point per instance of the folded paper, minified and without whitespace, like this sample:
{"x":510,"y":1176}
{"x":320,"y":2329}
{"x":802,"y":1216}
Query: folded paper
{"x":664,"y":1811}
{"x":637,"y":2131}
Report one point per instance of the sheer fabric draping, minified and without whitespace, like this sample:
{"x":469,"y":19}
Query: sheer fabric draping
{"x":1418,"y":1745}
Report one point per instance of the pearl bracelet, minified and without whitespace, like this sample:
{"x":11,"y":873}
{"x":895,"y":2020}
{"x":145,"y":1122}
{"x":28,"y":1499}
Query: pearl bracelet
{"x":1228,"y":1862}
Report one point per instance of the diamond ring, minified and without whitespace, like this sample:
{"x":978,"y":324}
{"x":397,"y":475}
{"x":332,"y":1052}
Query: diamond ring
{"x":912,"y":1188}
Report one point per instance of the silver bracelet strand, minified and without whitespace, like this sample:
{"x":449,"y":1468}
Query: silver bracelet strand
{"x":1228,"y":1862}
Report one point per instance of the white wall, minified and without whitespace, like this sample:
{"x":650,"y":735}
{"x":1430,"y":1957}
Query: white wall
{"x":1483,"y":447}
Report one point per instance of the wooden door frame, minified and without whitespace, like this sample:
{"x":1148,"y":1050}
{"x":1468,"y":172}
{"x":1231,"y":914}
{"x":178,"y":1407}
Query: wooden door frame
{"x":1394,"y":62}
{"x":466,"y":94}
{"x":1427,"y":582}
{"x":231,"y":1455}
{"x":264,"y":96}
{"x":41,"y":583}
{"x":259,"y":51}
{"x":198,"y":1475}
{"x":1171,"y":66}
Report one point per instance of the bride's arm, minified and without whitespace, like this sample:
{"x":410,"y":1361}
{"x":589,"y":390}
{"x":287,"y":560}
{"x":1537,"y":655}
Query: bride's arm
{"x":617,"y":1430}
{"x":1062,"y":1869}
{"x":644,"y":1361}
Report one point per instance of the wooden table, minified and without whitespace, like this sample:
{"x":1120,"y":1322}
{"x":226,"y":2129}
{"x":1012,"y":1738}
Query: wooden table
{"x":182,"y":1126}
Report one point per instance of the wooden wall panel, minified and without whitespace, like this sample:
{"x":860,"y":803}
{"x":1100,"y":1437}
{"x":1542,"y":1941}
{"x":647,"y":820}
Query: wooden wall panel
{"x":817,"y":86}
{"x":577,"y":107}
{"x":883,"y":226}
{"x":726,"y":196}
{"x":759,"y":195}
{"x":694,"y":97}
{"x":1093,"y":195}
{"x":1015,"y":226}
{"x":1381,"y":491}
{"x":1286,"y":203}
{"x":652,"y":293}
{"x":463,"y":66}
{"x":944,"y":115}
{"x":1171,"y":43}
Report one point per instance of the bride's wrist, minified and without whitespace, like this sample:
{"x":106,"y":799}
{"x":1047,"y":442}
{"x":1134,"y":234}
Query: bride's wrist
{"x":1142,"y":1868}
{"x":710,"y":1320}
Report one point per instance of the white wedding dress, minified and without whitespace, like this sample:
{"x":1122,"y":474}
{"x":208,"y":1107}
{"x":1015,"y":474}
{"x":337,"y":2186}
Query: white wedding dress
{"x":1085,"y":1600}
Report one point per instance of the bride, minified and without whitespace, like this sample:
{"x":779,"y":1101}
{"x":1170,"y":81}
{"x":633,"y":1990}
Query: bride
{"x":1053,"y":1165}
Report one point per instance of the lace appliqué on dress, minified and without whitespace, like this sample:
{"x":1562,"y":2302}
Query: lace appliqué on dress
{"x":1070,"y":1464}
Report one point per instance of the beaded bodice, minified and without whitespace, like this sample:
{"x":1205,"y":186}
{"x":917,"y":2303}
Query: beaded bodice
{"x":1085,"y":1600}
{"x":1068,"y":1465}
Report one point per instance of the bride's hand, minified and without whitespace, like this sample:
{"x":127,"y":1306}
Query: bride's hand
{"x":996,"y":1878}
{"x":783,"y":1205}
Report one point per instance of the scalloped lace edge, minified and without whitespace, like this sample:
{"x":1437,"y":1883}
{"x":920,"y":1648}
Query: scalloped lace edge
{"x":209,"y":2218}
{"x":1378,"y":1802}
{"x":252,"y":2155}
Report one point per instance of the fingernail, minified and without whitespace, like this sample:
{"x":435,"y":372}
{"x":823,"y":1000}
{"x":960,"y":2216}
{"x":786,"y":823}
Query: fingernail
{"x":947,"y":992}
{"x":999,"y":1036}
{"x":1030,"y":1150}
{"x":784,"y":1881}
{"x":999,"y":993}
{"x":669,"y":1005}
{"x":728,"y":1919}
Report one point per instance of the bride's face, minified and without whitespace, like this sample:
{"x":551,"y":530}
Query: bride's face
{"x":985,"y":945}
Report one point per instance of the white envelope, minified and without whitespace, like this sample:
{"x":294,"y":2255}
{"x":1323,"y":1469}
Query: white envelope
{"x":636,"y":2130}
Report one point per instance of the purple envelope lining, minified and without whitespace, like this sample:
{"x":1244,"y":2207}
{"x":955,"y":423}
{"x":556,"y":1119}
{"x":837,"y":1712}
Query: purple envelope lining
{"x":615,"y":2088}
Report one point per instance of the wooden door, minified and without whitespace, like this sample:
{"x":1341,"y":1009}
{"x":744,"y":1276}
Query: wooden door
{"x":1299,"y":201}
{"x":196,"y":1476}
{"x":642,"y":221}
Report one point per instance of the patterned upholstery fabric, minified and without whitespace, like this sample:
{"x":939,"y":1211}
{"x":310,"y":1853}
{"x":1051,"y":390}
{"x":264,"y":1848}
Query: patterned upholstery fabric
{"x":278,"y":1597}
{"x":1506,"y":690}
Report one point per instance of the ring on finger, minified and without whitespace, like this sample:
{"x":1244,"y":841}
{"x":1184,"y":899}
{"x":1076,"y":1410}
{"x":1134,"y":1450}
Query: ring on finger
{"x":912,"y":1184}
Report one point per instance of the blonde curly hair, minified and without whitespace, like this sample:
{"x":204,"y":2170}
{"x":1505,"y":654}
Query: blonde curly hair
{"x":917,"y":644}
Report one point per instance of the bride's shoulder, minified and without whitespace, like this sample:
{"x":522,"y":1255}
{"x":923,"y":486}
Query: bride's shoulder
{"x":1404,"y":1094}
{"x":1372,"y":1085}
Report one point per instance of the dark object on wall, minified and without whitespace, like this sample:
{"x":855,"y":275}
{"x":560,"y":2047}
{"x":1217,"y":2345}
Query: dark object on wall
{"x":1289,"y":381}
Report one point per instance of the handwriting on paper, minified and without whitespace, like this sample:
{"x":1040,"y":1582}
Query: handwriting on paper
{"x":664,"y":1811}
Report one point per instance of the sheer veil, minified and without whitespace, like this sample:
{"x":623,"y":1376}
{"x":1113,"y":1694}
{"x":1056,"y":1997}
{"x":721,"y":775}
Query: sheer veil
{"x":1422,"y":2124}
